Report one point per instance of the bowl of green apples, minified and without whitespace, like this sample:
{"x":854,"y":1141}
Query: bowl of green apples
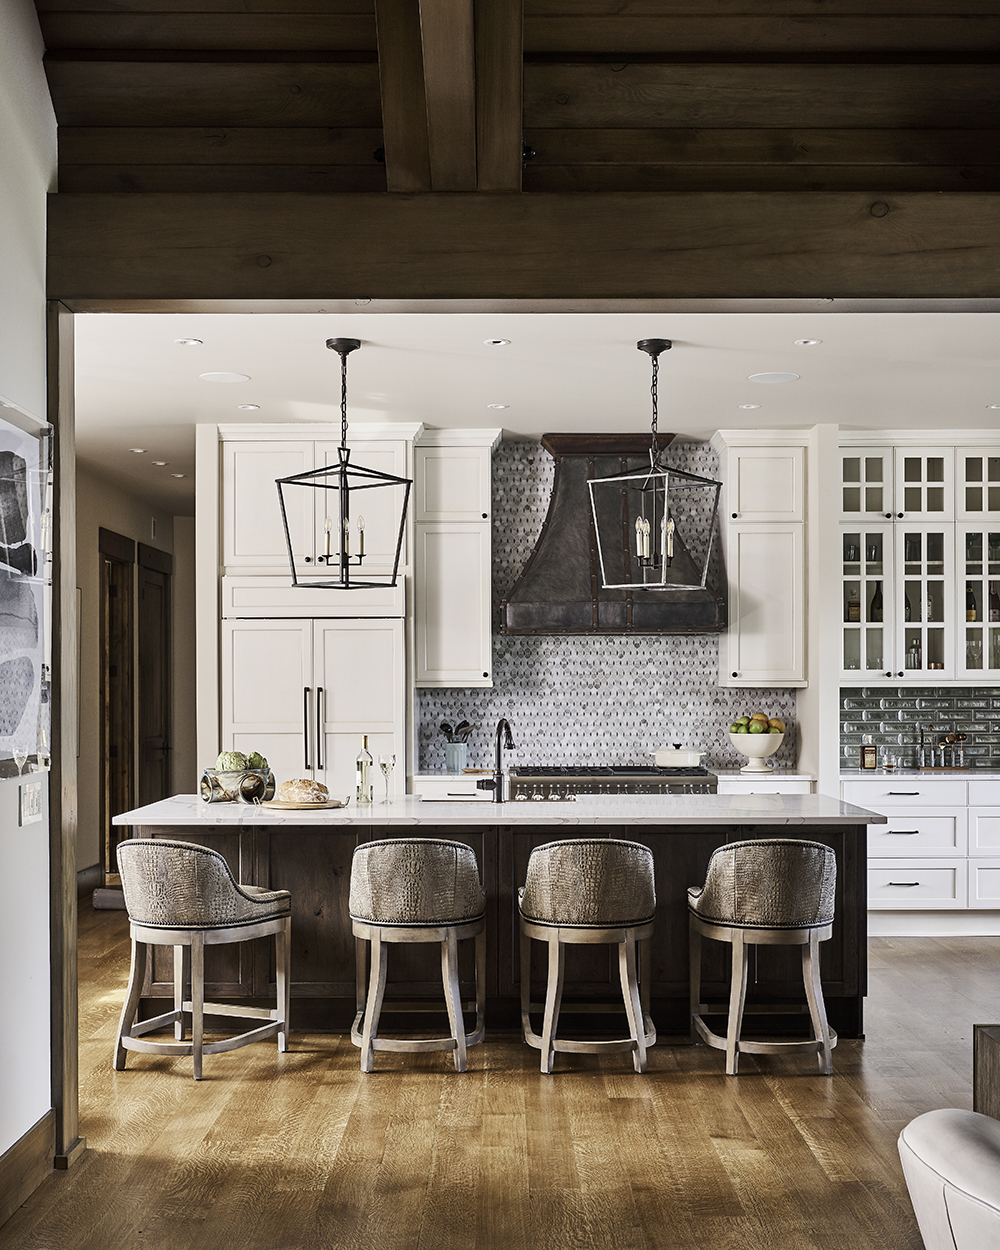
{"x":756,"y":736}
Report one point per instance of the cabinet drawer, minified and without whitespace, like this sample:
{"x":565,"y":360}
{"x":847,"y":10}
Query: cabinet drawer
{"x":984,"y":883}
{"x":984,"y":793}
{"x":886,"y":792}
{"x":446,"y":784}
{"x":247,"y":596}
{"x":917,"y":884}
{"x":917,"y":833}
{"x":984,"y":830}
{"x":730,"y":785}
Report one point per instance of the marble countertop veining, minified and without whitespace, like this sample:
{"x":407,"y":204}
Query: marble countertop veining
{"x":614,"y":809}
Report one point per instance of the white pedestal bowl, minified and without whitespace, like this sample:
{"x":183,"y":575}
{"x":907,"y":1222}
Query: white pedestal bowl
{"x":756,"y":747}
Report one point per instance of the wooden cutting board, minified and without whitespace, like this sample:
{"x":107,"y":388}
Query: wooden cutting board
{"x":303,"y":807}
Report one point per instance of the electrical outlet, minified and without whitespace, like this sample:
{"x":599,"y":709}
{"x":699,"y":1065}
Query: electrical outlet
{"x":30,"y":803}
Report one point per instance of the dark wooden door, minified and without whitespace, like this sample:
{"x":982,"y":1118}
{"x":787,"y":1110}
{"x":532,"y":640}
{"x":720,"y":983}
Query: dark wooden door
{"x":117,"y":692}
{"x":153,"y":708}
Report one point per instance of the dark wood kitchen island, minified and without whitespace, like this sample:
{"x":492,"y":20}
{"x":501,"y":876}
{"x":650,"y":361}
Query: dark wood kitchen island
{"x":309,"y":853}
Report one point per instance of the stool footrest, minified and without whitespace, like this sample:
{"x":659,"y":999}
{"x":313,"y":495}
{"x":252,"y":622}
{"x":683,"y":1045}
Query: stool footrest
{"x":801,"y":1046}
{"x":208,"y":1048}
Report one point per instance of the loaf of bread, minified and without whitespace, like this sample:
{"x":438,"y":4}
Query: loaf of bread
{"x":302,"y":790}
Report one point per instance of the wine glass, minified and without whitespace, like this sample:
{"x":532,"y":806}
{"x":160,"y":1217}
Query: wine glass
{"x":20,"y":754}
{"x":386,"y":763}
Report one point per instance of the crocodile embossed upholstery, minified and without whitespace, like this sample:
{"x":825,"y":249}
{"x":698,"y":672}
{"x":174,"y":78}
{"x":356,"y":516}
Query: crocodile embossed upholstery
{"x":779,"y":883}
{"x":415,"y":881}
{"x":180,"y":885}
{"x":589,"y":882}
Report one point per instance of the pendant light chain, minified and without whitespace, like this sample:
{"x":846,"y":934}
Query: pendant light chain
{"x":343,"y":399}
{"x":655,"y":450}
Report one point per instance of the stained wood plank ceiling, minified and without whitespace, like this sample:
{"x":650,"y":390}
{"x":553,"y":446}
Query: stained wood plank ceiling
{"x":610,"y":95}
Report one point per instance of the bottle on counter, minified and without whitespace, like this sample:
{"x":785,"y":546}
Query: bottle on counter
{"x":869,"y":752}
{"x":365,"y":790}
{"x":875,"y":608}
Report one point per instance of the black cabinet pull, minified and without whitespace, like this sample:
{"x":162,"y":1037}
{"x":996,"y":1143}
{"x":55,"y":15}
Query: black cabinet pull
{"x":305,"y":724}
{"x":319,"y":726}
{"x":899,"y":833}
{"x":902,"y":883}
{"x":908,"y":794}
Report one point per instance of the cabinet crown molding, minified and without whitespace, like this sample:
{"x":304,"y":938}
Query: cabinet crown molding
{"x":919,"y":438}
{"x":760,"y":438}
{"x":460,"y":438}
{"x":409,"y":431}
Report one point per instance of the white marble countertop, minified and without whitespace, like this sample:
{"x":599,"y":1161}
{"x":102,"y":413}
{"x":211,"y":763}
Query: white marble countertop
{"x":612,"y":809}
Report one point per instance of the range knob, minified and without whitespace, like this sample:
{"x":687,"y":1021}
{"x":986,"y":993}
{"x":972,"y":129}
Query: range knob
{"x":537,"y":796}
{"x":520,"y":798}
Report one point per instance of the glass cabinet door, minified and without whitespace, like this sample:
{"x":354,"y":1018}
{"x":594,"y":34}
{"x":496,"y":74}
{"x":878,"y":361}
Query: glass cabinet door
{"x":924,"y":484}
{"x":977,"y":556}
{"x":925,"y":616}
{"x":867,"y":601}
{"x":866,"y":483}
{"x":978,"y":484}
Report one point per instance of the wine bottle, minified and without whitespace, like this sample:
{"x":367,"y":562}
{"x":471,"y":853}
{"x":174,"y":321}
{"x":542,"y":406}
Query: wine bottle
{"x":994,"y":602}
{"x":875,"y":609}
{"x":364,"y":773}
{"x":971,"y":613}
{"x":907,"y":610}
{"x":852,"y":608}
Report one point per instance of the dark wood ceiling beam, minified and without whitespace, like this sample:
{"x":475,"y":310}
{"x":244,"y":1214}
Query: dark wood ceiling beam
{"x":358,"y":8}
{"x":217,"y":145}
{"x":750,"y":34}
{"x":404,"y":110}
{"x":798,"y":146}
{"x":670,"y":246}
{"x":177,"y":93}
{"x":737,"y":8}
{"x":232,"y":32}
{"x":257,"y":177}
{"x":447,"y":30}
{"x":761,"y":95}
{"x":741,"y":178}
{"x":499,"y":91}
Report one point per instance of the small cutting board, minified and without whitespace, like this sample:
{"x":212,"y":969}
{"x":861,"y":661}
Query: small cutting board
{"x":304,"y":807}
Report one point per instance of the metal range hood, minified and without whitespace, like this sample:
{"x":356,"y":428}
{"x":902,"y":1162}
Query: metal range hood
{"x":559,"y":590}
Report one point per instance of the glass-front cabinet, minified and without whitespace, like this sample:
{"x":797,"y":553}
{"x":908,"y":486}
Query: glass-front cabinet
{"x":866,"y":483}
{"x":902,"y":483}
{"x":978,"y":484}
{"x":977,"y":604}
{"x":898,"y":608}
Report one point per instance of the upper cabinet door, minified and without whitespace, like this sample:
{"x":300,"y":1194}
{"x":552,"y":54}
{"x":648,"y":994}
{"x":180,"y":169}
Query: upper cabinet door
{"x":866,"y":492}
{"x":452,"y":484}
{"x":765,"y":642}
{"x":253,"y":535}
{"x":375,"y":511}
{"x":452,"y":626}
{"x":924,"y":484}
{"x":765,"y":483}
{"x":977,"y":483}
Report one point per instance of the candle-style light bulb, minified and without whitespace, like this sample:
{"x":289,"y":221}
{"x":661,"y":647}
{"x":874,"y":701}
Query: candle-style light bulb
{"x":670,"y":538}
{"x":328,"y":527}
{"x":361,"y":536}
{"x":645,"y":538}
{"x":638,"y":536}
{"x":346,"y":528}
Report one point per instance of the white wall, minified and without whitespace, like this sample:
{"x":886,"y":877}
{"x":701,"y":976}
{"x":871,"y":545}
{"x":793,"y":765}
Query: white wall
{"x":100,"y":504}
{"x":184,"y":772}
{"x":28,"y":162}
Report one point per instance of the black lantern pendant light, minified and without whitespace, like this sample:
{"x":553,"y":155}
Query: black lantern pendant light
{"x":654,"y":525}
{"x":343,"y":502}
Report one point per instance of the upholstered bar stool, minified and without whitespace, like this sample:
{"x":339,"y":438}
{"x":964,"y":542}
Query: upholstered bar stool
{"x":416,"y":890}
{"x":182,"y":895}
{"x":769,"y":892}
{"x":591,"y":890}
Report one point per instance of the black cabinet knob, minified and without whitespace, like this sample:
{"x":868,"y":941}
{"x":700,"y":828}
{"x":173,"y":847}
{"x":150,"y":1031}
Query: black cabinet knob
{"x":888,"y":516}
{"x":308,"y":559}
{"x":735,"y":515}
{"x":900,"y":515}
{"x":736,"y":674}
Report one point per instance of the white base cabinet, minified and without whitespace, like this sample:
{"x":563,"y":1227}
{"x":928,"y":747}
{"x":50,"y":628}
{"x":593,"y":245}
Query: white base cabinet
{"x":303,"y":692}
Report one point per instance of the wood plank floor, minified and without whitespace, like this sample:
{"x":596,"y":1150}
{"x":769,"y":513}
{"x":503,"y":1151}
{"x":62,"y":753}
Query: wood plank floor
{"x":301,"y":1152}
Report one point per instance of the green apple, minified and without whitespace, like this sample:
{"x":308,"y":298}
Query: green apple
{"x":755,"y":727}
{"x":736,"y":727}
{"x":774,"y":730}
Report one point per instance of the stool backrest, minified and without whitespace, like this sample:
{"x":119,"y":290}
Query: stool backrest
{"x":415,"y":881}
{"x":180,"y":885}
{"x":770,"y":883}
{"x":602,"y":882}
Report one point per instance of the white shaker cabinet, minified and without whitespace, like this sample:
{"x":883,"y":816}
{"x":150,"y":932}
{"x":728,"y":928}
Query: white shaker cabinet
{"x":302,"y":692}
{"x":452,"y":596}
{"x":763,"y":537}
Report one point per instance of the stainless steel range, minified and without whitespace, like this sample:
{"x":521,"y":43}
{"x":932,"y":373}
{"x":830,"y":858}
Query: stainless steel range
{"x":538,"y":783}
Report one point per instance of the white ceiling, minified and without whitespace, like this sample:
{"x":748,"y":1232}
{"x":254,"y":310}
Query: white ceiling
{"x":569,"y":372}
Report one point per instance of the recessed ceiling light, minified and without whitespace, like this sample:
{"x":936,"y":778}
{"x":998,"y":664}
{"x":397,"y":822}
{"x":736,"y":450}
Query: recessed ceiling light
{"x":248,"y":407}
{"x":139,"y":451}
{"x":498,"y":405}
{"x":773,"y":377}
{"x":993,"y":405}
{"x":749,"y":405}
{"x":497,"y":342}
{"x":161,"y":463}
{"x":808,"y":342}
{"x":224,"y":377}
{"x":188,"y":342}
{"x":178,"y":475}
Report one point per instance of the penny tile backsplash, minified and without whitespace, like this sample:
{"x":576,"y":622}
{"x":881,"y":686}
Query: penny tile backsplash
{"x":894,"y":718}
{"x":608,"y":699}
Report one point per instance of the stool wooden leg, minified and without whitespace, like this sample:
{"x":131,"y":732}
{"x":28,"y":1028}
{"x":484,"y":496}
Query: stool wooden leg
{"x":817,"y":1005}
{"x":453,"y":997}
{"x":282,"y":965}
{"x":180,"y":983}
{"x":694,"y":977}
{"x":553,"y":1000}
{"x":373,"y":1006}
{"x":630,"y":993}
{"x":525,"y":979}
{"x":135,"y":979}
{"x":480,"y":981}
{"x":737,"y":997}
{"x":197,"y":1000}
